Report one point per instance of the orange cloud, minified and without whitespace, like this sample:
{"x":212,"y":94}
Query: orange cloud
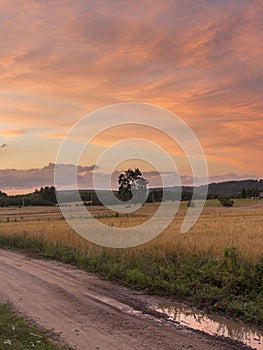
{"x":202,"y":60}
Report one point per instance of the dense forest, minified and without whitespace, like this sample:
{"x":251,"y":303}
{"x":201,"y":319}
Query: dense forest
{"x":243,"y":188}
{"x":43,"y":196}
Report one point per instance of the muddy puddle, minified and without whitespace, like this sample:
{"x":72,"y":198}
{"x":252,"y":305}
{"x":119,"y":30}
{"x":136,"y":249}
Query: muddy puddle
{"x":211,"y":324}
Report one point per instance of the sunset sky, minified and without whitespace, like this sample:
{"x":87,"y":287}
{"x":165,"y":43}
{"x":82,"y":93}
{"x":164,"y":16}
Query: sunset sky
{"x":62,"y":59}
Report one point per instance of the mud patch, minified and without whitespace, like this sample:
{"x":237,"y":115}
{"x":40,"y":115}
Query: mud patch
{"x":212,"y":324}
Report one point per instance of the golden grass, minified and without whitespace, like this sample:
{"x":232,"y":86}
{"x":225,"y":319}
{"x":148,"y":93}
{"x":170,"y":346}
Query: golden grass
{"x":217,"y":228}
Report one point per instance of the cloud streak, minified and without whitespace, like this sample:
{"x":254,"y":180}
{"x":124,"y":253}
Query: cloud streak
{"x":31,"y":179}
{"x":37,"y":177}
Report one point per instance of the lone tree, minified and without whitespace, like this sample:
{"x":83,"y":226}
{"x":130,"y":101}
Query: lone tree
{"x":132,"y":186}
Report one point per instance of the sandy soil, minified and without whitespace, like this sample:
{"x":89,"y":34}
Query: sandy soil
{"x":88,"y":313}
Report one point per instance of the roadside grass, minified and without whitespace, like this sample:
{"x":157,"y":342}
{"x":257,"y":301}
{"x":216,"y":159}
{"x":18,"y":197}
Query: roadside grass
{"x":18,"y":334}
{"x":230,"y":285}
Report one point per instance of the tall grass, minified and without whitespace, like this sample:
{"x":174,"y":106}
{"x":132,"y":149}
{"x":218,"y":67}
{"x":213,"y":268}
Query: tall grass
{"x":216,"y":229}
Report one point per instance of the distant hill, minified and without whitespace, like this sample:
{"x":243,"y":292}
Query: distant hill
{"x":248,"y":188}
{"x":235,"y":187}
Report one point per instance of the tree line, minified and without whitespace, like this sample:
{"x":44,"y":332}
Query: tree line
{"x":45,"y":196}
{"x":133,"y":188}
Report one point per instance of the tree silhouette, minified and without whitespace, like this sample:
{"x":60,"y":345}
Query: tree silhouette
{"x":132,"y":186}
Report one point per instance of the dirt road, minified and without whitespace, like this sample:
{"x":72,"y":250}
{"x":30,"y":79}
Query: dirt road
{"x":88,"y":313}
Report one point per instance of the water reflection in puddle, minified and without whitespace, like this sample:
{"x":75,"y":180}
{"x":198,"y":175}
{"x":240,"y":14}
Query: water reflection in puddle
{"x":211,"y":324}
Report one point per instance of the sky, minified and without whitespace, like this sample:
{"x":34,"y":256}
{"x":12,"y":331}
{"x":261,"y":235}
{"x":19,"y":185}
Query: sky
{"x":61,"y":60}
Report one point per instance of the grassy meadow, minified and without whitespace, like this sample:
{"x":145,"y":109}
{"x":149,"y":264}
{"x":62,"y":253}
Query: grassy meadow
{"x":217,"y":265}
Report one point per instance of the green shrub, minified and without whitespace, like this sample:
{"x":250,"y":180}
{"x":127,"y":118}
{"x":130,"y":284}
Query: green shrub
{"x":226,"y":201}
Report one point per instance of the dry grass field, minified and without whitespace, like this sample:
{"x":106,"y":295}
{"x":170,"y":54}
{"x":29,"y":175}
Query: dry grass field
{"x":216,"y":229}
